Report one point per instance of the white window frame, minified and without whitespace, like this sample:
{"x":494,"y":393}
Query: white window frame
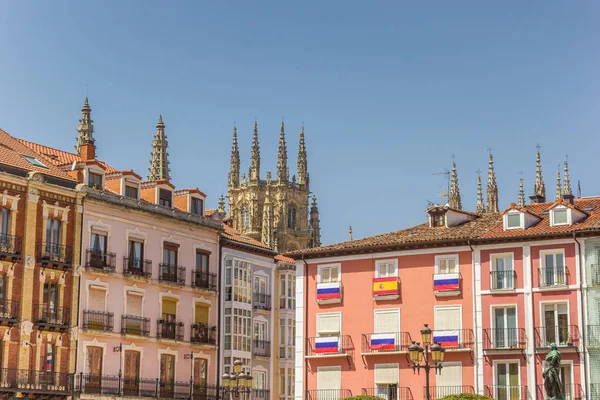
{"x":543,"y":254}
{"x":323,"y":266}
{"x":521,"y":220}
{"x":391,"y":261}
{"x":560,"y":208}
{"x":439,"y":258}
{"x":493,"y":258}
{"x":506,"y":361}
{"x":555,"y":303}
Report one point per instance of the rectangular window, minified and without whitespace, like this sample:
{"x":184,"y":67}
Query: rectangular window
{"x":4,"y":224}
{"x":197,"y":206}
{"x":451,"y":375}
{"x":51,"y":296}
{"x":503,"y":273}
{"x":507,"y":381}
{"x":202,"y":259}
{"x":387,"y":321}
{"x":560,"y":217}
{"x":329,"y":324}
{"x":98,"y":243}
{"x":170,"y":254}
{"x":329,"y":382}
{"x":134,"y":304}
{"x":553,"y":268}
{"x":438,"y":220}
{"x":513,"y":221}
{"x":48,"y":358}
{"x":259,"y":382}
{"x":94,"y":361}
{"x":329,"y":273}
{"x":386,"y":269}
{"x":201,"y":312}
{"x":165,"y":198}
{"x":556,"y":324}
{"x":95,"y":180}
{"x":505,"y":333}
{"x":446,"y":264}
{"x":53,"y":233}
{"x":260,"y":331}
{"x":96,"y":299}
{"x":131,"y":191}
{"x":136,"y":256}
{"x":261,"y":284}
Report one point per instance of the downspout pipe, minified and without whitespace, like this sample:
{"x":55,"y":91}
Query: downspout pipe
{"x":305,"y":325}
{"x":583,"y":310}
{"x":219,"y":313}
{"x":475,"y":330}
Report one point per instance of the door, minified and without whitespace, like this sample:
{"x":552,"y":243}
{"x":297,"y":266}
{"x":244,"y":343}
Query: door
{"x":49,"y":311}
{"x":556,"y":325}
{"x":98,"y":251}
{"x":565,"y":378}
{"x":260,"y":289}
{"x":260,"y":338}
{"x":94,"y":369}
{"x":503,"y":273}
{"x":133,"y":322}
{"x":201,"y":270}
{"x":507,"y":382}
{"x":169,"y":315}
{"x":167,"y":375}
{"x":554,"y":269}
{"x":53,"y":231}
{"x":169,"y":267}
{"x":200,"y":375}
{"x":131,"y":374}
{"x":329,"y":383}
{"x":47,"y":363}
{"x":388,"y":322}
{"x":5,"y":228}
{"x":505,"y":329}
{"x":259,"y":384}
{"x":5,"y":309}
{"x":136,"y":255}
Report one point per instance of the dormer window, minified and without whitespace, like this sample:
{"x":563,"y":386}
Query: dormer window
{"x":438,"y":220}
{"x":131,"y":191}
{"x":95,"y":180}
{"x":197,"y":206}
{"x":165,"y":198}
{"x":560,"y":216}
{"x":513,"y":221}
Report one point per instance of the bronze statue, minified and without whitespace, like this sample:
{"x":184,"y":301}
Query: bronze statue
{"x":551,"y":375}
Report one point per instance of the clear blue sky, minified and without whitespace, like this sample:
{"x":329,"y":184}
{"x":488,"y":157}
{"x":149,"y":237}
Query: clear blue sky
{"x":387,"y":92}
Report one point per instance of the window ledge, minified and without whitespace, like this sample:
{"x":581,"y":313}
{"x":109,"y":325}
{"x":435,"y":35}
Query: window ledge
{"x":447,"y":293}
{"x":508,"y":290}
{"x":330,"y":301}
{"x":387,"y":297}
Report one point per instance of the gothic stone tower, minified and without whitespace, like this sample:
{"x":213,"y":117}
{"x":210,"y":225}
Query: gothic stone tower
{"x":275,"y":212}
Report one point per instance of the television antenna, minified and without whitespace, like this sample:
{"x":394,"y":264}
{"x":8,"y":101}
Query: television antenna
{"x":447,"y":173}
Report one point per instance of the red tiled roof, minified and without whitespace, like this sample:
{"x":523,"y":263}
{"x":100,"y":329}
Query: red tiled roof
{"x":11,"y":149}
{"x":180,"y":192}
{"x":60,"y":157}
{"x":210,"y":212}
{"x":236,"y":236}
{"x":280,"y":257}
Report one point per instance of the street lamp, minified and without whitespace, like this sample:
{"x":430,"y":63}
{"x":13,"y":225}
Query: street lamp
{"x":418,"y":354}
{"x":237,"y":383}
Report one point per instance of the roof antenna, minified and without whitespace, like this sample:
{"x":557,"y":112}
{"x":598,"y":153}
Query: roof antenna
{"x":578,"y":188}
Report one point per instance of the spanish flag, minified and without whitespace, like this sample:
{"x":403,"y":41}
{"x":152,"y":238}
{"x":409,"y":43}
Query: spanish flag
{"x":385,"y":286}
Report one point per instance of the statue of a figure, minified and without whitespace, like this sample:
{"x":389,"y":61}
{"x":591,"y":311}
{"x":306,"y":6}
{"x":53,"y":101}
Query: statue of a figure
{"x":551,"y":375}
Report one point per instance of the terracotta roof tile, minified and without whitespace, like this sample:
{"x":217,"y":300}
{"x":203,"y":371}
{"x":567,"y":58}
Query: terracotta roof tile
{"x":237,"y":236}
{"x":210,"y":212}
{"x":280,"y":257}
{"x":60,"y":157}
{"x":11,"y":149}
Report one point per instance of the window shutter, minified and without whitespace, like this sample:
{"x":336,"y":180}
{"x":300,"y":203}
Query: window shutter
{"x":329,"y":378}
{"x":201,"y":315}
{"x":169,"y":306}
{"x":328,"y":324}
{"x":134,"y":304}
{"x":97,"y":299}
{"x":386,"y":374}
{"x":447,"y":318}
{"x":451,"y":375}
{"x":387,"y":321}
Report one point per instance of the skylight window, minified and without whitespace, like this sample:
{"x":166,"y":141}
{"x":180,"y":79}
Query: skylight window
{"x":34,"y":161}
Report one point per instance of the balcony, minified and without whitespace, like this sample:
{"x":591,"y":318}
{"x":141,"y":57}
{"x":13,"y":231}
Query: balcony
{"x":10,"y":247}
{"x":134,"y":325}
{"x":502,"y":280}
{"x":389,"y":393}
{"x":203,"y":334}
{"x":565,"y":336}
{"x":54,"y":255}
{"x":593,"y":337}
{"x":204,"y":280}
{"x":385,"y":343}
{"x":261,"y":301}
{"x":39,"y":382}
{"x":98,"y":320}
{"x":555,"y":277}
{"x":328,"y":394}
{"x":455,"y":339}
{"x":571,"y":392}
{"x":437,"y":392}
{"x":171,"y":274}
{"x":51,"y":317}
{"x":447,"y":284}
{"x":170,"y":330}
{"x":261,"y":394}
{"x":9,"y":312}
{"x":329,"y":292}
{"x":506,"y":392}
{"x":261,"y":348}
{"x":504,"y":339}
{"x":386,"y":288}
{"x":329,"y":346}
{"x":100,"y":261}
{"x":137,"y":267}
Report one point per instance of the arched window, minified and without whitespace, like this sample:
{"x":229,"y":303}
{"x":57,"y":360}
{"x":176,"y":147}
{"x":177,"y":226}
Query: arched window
{"x":245,"y":218}
{"x":291,"y":217}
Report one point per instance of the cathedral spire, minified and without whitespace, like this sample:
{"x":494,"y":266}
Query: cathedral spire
{"x":221,"y":208}
{"x":480,"y":208}
{"x":558,"y":191}
{"x":302,"y":163}
{"x":234,"y":164}
{"x":85,"y":129}
{"x":567,"y":192}
{"x":268,"y":220}
{"x":539,"y":189}
{"x":454,"y":196}
{"x":159,"y":163}
{"x":282,"y":168}
{"x":521,"y":193}
{"x":492,"y":188}
{"x":254,"y":172}
{"x":315,"y":224}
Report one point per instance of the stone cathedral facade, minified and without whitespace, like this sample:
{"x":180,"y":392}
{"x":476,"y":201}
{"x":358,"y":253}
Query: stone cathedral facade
{"x":277,"y":211}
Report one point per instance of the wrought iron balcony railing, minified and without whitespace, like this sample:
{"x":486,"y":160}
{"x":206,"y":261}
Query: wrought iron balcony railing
{"x":170,"y":330}
{"x":504,"y":339}
{"x":329,"y":345}
{"x":571,"y":392}
{"x":10,"y":246}
{"x":261,"y":394}
{"x":381,"y":343}
{"x":203,"y":334}
{"x":137,"y":267}
{"x":47,"y":315}
{"x":134,"y":325}
{"x":54,"y":255}
{"x":99,"y":260}
{"x":43,"y":382}
{"x":171,"y":274}
{"x":328,"y":394}
{"x":261,"y":301}
{"x":552,"y":277}
{"x":437,"y":392}
{"x":98,"y":320}
{"x":389,"y":393}
{"x":204,"y":280}
{"x":562,"y":335}
{"x":507,"y":392}
{"x":9,"y":311}
{"x":502,"y":280}
{"x":261,"y":348}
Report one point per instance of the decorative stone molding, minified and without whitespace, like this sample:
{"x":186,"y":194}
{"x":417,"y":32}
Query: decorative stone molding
{"x":35,"y":176}
{"x":26,"y":327}
{"x":6,"y":336}
{"x":55,"y":211}
{"x":9,"y":201}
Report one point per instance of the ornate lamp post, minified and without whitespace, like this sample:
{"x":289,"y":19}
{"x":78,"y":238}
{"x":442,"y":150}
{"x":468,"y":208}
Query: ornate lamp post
{"x":236,"y":384}
{"x":418,"y":354}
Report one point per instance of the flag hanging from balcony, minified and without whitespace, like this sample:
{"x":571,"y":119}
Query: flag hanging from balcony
{"x":385,"y":286}
{"x":327,"y":291}
{"x":446,"y":282}
{"x":328,"y":344}
{"x":383,"y":341}
{"x":447,"y":338}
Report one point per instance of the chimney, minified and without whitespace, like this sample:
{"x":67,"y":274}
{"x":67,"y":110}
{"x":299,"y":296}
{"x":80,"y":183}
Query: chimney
{"x":88,"y":151}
